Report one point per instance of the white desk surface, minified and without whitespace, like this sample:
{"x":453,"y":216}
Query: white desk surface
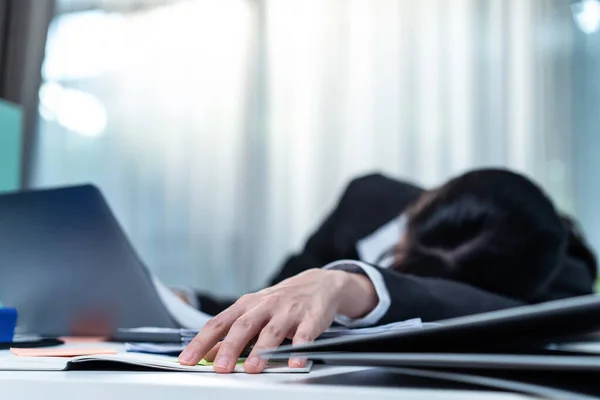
{"x":102,"y":385}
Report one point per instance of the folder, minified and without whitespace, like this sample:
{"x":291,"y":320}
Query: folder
{"x":518,"y":329}
{"x":463,"y":361}
{"x":516,"y":349}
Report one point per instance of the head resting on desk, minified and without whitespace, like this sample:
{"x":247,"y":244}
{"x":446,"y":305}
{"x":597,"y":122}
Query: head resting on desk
{"x":490,"y":228}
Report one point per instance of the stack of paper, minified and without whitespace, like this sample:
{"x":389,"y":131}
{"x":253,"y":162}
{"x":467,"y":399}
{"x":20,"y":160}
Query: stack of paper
{"x":155,"y":348}
{"x":74,"y":358}
{"x":182,"y":337}
{"x":160,"y":334}
{"x":407,"y":325}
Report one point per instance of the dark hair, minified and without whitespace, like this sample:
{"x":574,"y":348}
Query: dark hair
{"x":578,"y":246}
{"x":491,"y":228}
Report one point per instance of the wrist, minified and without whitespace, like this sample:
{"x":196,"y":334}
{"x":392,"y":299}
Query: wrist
{"x":357,"y":295}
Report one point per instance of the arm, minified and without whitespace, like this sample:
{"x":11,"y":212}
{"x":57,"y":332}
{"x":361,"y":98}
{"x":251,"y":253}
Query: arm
{"x":305,"y":305}
{"x":401,"y":297}
{"x":433,"y":299}
{"x":301,"y":308}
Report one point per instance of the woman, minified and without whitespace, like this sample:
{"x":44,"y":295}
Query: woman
{"x":487,"y":240}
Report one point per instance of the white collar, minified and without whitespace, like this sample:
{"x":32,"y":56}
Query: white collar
{"x":371,"y":248}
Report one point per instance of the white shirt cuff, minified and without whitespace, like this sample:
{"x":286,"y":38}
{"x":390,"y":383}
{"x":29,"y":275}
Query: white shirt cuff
{"x":378,"y":283}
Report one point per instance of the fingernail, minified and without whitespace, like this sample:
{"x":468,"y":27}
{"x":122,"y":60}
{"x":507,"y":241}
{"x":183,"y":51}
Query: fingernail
{"x":186,"y":356}
{"x":222,"y":362}
{"x":298,"y":362}
{"x":253,"y":361}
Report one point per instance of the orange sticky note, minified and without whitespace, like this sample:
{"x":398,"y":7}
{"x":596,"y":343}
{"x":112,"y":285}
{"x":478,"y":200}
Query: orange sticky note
{"x":60,"y":352}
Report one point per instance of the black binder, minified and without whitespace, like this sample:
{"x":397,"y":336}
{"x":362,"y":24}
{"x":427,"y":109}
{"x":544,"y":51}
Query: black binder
{"x":514,"y":330}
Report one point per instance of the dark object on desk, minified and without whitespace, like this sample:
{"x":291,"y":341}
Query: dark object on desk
{"x":456,"y":361}
{"x":30,"y":343}
{"x":524,"y":331}
{"x":388,"y":378}
{"x":8,"y":323}
{"x":548,"y":384}
{"x":69,"y":269}
{"x":518,"y":329}
{"x":125,"y":335}
{"x":577,"y":386}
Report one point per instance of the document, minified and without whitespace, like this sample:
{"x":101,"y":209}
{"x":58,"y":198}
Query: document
{"x":120,"y":360}
{"x":185,"y":315}
{"x":156,"y":335}
{"x":154,"y":348}
{"x":61,"y":352}
{"x":167,"y":340}
{"x":410,"y":324}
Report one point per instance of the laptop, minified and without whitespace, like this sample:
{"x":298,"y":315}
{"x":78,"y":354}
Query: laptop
{"x":68,"y":267}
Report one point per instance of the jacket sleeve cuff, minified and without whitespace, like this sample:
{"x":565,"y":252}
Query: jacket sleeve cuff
{"x":378,"y":283}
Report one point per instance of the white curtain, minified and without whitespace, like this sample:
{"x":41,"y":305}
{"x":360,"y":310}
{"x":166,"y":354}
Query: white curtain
{"x":222,"y":131}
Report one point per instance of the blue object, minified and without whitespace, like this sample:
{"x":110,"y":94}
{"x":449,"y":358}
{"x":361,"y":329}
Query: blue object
{"x":8,"y":323}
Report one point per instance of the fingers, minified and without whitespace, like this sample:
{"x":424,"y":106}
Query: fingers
{"x":241,"y":333}
{"x":307,"y":332}
{"x":303,"y":306}
{"x":271,"y":336}
{"x":209,"y":336}
{"x":212,"y":354}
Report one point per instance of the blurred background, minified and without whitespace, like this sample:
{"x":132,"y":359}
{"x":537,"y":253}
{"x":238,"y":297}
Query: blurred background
{"x":223,"y":131}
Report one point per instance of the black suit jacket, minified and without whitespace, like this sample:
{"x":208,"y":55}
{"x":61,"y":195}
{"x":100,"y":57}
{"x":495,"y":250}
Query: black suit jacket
{"x":366,"y":205}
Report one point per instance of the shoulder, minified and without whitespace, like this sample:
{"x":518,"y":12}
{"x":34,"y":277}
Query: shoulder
{"x":374,"y":199}
{"x":377,"y":185}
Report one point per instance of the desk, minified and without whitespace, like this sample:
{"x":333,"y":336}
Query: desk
{"x":102,"y":385}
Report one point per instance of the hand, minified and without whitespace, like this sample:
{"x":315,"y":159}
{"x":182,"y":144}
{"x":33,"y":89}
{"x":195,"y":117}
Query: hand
{"x":299,"y":308}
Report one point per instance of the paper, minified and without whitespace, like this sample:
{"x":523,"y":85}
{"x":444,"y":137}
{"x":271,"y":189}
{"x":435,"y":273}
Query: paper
{"x":159,"y":363}
{"x":210,"y":363}
{"x":61,"y":352}
{"x":153,"y":329}
{"x":172,"y":364}
{"x":15,"y":363}
{"x":185,"y":315}
{"x":151,"y":334}
{"x":154,"y":348}
{"x":410,"y":324}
